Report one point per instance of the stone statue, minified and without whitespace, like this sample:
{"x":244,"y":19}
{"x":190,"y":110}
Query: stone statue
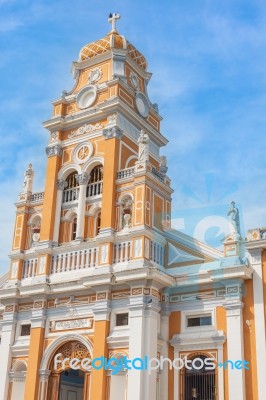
{"x":233,"y":215}
{"x":163,"y":165}
{"x":28,"y":179}
{"x":143,"y":142}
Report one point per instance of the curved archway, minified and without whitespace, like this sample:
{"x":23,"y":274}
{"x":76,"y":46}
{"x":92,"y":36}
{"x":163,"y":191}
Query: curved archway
{"x":57,"y":343}
{"x":57,"y":362}
{"x":91,"y":163}
{"x":68,"y":169}
{"x":18,"y":377}
{"x":19,"y":366}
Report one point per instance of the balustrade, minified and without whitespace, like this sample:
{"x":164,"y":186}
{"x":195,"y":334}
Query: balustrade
{"x":36,"y":197}
{"x":30,"y":268}
{"x":94,"y":189}
{"x":70,"y":195}
{"x":122,"y":252}
{"x":156,"y":253}
{"x":125,"y":173}
{"x":74,"y":260}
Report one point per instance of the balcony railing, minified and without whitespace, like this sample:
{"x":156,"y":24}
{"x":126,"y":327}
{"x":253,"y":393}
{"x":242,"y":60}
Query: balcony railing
{"x":30,"y":268}
{"x":74,"y":260}
{"x":70,"y":195}
{"x":94,"y":189}
{"x":125,"y":173}
{"x":122,"y":252}
{"x":158,"y":174}
{"x":35,"y":197}
{"x":156,"y":253}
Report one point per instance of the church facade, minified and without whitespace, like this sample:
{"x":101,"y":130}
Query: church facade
{"x":98,"y":273}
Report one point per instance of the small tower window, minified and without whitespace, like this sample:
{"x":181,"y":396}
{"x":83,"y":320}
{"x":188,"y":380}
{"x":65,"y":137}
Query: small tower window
{"x":25,"y":330}
{"x":122,"y":319}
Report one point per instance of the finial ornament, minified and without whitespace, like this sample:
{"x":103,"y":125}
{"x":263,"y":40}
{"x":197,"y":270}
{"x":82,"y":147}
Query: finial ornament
{"x":113,"y":18}
{"x":233,"y":214}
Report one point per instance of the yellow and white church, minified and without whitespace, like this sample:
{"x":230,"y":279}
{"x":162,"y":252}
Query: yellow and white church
{"x":92,"y":272}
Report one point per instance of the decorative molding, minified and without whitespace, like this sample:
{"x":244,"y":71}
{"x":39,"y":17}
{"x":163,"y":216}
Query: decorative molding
{"x":87,"y":128}
{"x":61,"y":184}
{"x":71,"y":324}
{"x":55,"y":150}
{"x":113,"y":132}
{"x":83,"y":178}
{"x":138,"y":248}
{"x":95,"y":75}
{"x":83,"y":152}
{"x":112,"y":118}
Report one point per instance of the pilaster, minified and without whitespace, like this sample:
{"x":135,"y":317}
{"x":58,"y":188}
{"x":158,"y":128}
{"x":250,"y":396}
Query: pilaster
{"x":101,"y":330}
{"x":60,"y":183}
{"x":235,"y":346}
{"x":7,"y":338}
{"x":259,"y":316}
{"x":136,"y":346}
{"x":38,"y":320}
{"x":111,"y":158}
{"x":54,"y":153}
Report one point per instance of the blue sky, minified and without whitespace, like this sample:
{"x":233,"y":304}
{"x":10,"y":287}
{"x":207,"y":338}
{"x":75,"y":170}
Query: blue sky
{"x":208,"y":60}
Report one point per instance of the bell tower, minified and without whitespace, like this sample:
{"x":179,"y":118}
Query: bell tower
{"x":105,"y":178}
{"x":101,"y":218}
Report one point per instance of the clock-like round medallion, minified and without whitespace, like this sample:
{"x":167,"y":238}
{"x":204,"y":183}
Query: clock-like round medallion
{"x":142,"y":104}
{"x":87,"y":97}
{"x":83,"y":152}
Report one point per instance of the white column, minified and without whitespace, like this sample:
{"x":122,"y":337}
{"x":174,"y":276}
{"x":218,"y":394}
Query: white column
{"x":220,"y":382}
{"x":235,"y":347}
{"x":83,"y":180}
{"x":150,"y":348}
{"x":43,"y":385}
{"x":259,"y":321}
{"x":7,"y":340}
{"x":60,"y":188}
{"x":164,"y":353}
{"x":175,"y":343}
{"x":136,"y":344}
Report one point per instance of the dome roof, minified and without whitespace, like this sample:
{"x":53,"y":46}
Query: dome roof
{"x":112,"y":40}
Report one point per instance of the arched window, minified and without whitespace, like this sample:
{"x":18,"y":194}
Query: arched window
{"x":74,"y":229}
{"x":95,"y":185}
{"x":71,"y":190}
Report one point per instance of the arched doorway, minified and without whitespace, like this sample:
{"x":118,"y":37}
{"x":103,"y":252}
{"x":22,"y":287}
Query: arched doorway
{"x":71,"y":385}
{"x":198,"y":383}
{"x":66,"y":383}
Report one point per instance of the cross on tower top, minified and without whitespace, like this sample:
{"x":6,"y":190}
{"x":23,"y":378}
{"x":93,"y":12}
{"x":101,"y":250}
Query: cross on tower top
{"x":113,"y":18}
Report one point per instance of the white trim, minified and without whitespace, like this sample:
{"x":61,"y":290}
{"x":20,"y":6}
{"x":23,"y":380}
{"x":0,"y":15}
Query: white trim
{"x":259,"y":329}
{"x":196,"y":314}
{"x":129,"y":159}
{"x":68,"y":169}
{"x":91,"y":163}
{"x":49,"y":352}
